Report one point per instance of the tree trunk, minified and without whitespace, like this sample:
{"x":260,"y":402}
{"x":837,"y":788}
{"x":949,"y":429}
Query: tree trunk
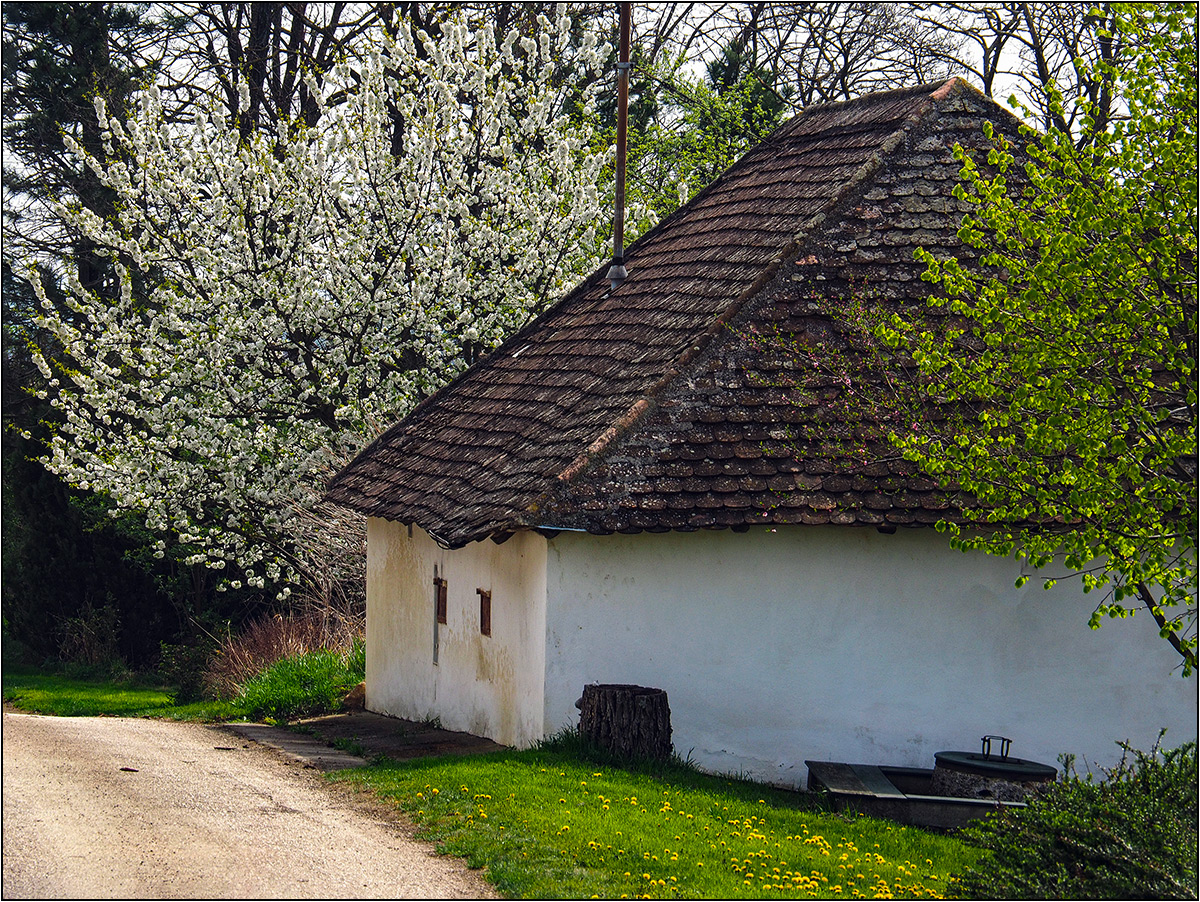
{"x":631,"y":722}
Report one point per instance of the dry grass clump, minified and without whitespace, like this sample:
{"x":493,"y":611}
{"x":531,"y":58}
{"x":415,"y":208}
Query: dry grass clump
{"x":272,"y":638}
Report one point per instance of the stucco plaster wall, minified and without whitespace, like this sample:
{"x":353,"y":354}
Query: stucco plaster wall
{"x":845,"y":644}
{"x":487,"y":685}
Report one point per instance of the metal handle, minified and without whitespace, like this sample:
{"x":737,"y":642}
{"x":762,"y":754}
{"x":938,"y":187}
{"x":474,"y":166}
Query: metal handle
{"x":1005,"y":743}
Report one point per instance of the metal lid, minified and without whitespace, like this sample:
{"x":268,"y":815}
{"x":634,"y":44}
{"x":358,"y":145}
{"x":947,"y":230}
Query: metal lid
{"x":1016,"y":769}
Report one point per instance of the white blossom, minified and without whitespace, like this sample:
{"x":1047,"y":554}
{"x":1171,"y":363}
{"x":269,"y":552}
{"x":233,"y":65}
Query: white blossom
{"x":306,"y":285}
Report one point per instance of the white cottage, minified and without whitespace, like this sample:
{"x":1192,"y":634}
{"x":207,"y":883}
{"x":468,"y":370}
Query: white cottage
{"x":624,"y":493}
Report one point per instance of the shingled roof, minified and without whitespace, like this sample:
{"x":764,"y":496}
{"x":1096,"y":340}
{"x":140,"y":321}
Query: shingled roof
{"x":653,"y":407}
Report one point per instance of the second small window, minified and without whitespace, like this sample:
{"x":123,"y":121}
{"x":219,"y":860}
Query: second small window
{"x":440,"y":585}
{"x":485,"y":611}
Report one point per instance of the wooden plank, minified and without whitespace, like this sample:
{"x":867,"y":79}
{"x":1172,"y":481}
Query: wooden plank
{"x":876,"y":782}
{"x":852,"y":779}
{"x":836,"y":777}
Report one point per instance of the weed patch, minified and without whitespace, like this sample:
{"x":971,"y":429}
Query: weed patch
{"x":309,"y":684}
{"x":237,"y":659}
{"x":350,"y":746}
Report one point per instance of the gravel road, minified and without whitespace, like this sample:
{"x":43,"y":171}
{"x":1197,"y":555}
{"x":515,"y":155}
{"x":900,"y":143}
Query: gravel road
{"x":123,"y":808}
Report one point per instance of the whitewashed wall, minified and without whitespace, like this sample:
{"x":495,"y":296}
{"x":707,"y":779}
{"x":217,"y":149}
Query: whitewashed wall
{"x":487,"y":685}
{"x":849,"y":645}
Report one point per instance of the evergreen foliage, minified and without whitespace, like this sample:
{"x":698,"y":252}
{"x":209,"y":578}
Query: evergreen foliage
{"x":685,"y":131}
{"x":57,"y":58}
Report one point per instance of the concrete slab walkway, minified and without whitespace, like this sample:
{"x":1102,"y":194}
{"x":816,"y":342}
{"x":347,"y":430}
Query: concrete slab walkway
{"x":362,"y":736}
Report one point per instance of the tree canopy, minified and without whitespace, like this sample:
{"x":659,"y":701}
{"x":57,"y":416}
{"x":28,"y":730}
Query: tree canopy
{"x":1072,"y":350}
{"x":241,"y":178}
{"x":286,"y":291}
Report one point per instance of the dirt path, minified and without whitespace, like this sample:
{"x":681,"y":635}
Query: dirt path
{"x":121,"y":808}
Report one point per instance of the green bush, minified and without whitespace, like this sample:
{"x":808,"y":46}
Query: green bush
{"x":182,"y":666}
{"x":1130,"y":836}
{"x":303,"y":686}
{"x":15,"y":655}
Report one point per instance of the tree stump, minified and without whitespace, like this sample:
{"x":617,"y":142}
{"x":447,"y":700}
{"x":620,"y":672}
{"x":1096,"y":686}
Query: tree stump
{"x":631,"y":722}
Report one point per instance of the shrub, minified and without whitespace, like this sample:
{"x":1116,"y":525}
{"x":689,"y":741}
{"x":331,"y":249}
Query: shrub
{"x":182,"y":666}
{"x":15,"y":655}
{"x":305,"y":685}
{"x":91,"y":638}
{"x":1130,"y":836}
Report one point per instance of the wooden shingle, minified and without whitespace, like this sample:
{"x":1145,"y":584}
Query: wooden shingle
{"x":648,"y":408}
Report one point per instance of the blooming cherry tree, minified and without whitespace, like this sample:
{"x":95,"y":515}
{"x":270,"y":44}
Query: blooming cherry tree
{"x":286,"y":292}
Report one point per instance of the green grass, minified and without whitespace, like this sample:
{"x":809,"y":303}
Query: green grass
{"x":309,"y":684}
{"x":303,"y":686}
{"x":547,"y":825}
{"x":67,"y":696}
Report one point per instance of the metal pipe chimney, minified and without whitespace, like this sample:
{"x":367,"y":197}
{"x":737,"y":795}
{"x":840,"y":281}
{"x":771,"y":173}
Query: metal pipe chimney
{"x":616,"y":272}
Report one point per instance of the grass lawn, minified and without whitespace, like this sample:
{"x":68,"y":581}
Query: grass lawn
{"x":65,"y":696}
{"x":308,"y":684}
{"x":547,"y":825}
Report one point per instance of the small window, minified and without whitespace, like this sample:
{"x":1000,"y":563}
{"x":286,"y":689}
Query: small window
{"x":485,"y":611}
{"x":440,"y":589}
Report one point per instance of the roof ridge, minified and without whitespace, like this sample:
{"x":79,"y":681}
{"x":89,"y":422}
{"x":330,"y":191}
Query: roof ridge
{"x":872,"y":164}
{"x":646,"y":403}
{"x":929,"y":88}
